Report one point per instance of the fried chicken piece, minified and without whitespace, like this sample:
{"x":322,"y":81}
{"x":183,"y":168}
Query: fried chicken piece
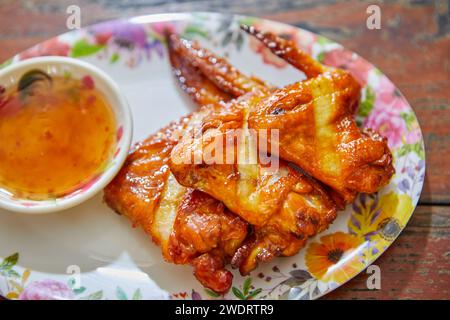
{"x":190,"y":226}
{"x":283,"y":205}
{"x":334,"y":151}
{"x":305,"y":209}
{"x":216,"y":69}
{"x":254,"y":194}
{"x":191,"y":80}
{"x":206,"y":235}
{"x":313,"y":119}
{"x":288,"y":51}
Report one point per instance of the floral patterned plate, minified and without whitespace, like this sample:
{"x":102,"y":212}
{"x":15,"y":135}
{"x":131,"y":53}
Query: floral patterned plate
{"x":89,"y":252}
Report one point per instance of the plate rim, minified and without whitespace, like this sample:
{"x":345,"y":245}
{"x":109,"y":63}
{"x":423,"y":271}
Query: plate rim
{"x":186,"y":16}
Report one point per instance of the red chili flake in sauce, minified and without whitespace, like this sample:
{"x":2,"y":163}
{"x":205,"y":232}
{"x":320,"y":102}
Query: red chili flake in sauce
{"x":88,"y":82}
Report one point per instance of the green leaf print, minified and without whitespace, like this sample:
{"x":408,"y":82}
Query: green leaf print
{"x":6,"y":63}
{"x":366,"y":106}
{"x":238,"y":293}
{"x":98,"y":295}
{"x":409,"y":119}
{"x":9,"y":262}
{"x":212,"y":293}
{"x":137,"y":295}
{"x":415,"y":147}
{"x":247,"y":20}
{"x":194,"y":30}
{"x":246,"y":286}
{"x":322,"y":40}
{"x":114,"y":58}
{"x":321,"y":56}
{"x":120,"y":294}
{"x":83,"y":48}
{"x":246,"y":294}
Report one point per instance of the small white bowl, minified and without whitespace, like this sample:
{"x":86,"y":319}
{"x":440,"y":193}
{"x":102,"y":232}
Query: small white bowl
{"x":54,"y":66}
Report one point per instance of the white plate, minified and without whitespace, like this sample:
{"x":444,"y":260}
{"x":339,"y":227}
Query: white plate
{"x":91,"y":252}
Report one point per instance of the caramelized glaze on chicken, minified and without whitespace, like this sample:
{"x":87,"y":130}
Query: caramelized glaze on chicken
{"x":283,"y":205}
{"x":260,"y":198}
{"x":313,"y":118}
{"x":190,"y":226}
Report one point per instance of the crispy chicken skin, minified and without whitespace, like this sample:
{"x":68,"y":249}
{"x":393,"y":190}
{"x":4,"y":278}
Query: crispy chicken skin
{"x":316,"y":131}
{"x":191,"y":80}
{"x":289,"y":206}
{"x":215,"y":68}
{"x":316,"y":125}
{"x":283,"y":205}
{"x":245,"y":206}
{"x":314,"y":119}
{"x":288,"y":51}
{"x":190,"y":226}
{"x":304,"y":211}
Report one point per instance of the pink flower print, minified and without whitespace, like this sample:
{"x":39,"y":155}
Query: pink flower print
{"x":388,"y":123}
{"x":389,"y":97}
{"x":413,"y":136}
{"x":52,"y":47}
{"x":347,"y":60}
{"x":47,"y":290}
{"x":161,"y":28}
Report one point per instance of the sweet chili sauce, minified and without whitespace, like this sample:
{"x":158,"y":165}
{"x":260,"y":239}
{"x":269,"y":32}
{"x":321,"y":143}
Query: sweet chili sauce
{"x":56,"y":133}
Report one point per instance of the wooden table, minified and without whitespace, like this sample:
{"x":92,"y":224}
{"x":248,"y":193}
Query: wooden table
{"x":412,"y":48}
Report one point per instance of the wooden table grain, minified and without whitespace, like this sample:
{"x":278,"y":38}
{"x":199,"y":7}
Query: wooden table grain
{"x":412,"y":48}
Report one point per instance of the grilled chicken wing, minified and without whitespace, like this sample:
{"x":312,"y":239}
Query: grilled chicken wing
{"x":301,"y":213}
{"x":283,"y":205}
{"x":190,"y":226}
{"x":313,"y":118}
{"x":191,"y":80}
{"x":316,"y":131}
{"x":288,"y":51}
{"x":215,"y":68}
{"x":316,"y":126}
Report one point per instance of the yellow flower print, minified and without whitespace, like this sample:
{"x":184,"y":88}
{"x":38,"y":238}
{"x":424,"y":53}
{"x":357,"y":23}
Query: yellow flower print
{"x":384,"y":216}
{"x":379,"y":220}
{"x":394,"y":207}
{"x":335,"y":258}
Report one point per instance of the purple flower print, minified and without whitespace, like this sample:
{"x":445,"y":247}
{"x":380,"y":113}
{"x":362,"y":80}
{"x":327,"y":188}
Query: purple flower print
{"x":195,"y":295}
{"x":46,"y":290}
{"x":413,"y":136}
{"x":404,"y":185}
{"x":127,"y":39}
{"x":125,"y":34}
